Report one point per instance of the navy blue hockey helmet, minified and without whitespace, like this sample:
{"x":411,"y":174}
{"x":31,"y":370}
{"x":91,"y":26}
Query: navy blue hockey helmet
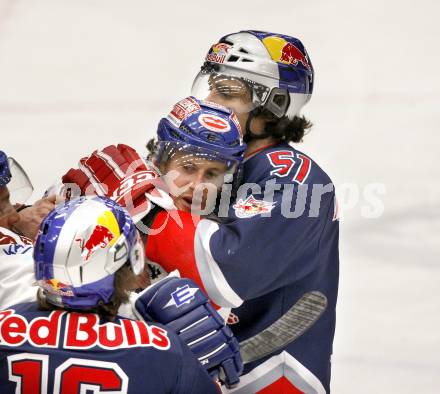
{"x":207,"y":130}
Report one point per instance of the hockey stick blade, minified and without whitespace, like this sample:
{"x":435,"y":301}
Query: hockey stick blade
{"x":297,"y":320}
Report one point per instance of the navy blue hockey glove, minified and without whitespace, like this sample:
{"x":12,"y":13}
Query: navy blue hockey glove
{"x":182,"y":306}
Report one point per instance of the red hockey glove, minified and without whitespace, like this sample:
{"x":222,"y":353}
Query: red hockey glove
{"x":120,"y":173}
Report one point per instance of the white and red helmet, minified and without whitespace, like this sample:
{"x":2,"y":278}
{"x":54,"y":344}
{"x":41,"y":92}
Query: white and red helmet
{"x":80,"y":246}
{"x":275,"y":68}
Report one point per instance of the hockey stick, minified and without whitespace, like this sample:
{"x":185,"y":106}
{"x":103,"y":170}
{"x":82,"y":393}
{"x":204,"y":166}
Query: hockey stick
{"x":297,"y":320}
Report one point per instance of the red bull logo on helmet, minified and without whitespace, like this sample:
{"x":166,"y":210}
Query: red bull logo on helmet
{"x":285,"y":52}
{"x":99,"y":238}
{"x":104,"y":233}
{"x":54,"y":286}
{"x":217,"y":53}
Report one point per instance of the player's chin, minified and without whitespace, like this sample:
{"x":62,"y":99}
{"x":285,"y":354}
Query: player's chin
{"x":187,"y":204}
{"x":182,"y":204}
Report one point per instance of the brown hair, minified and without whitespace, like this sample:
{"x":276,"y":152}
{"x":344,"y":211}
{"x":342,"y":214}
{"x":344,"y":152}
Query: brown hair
{"x":285,"y":129}
{"x":125,"y":281}
{"x":151,"y":147}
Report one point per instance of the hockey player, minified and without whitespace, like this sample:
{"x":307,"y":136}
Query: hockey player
{"x":266,"y":79}
{"x":186,"y":147}
{"x":279,"y":242}
{"x":199,"y":143}
{"x":16,"y":264}
{"x":8,"y":213}
{"x":17,"y":279}
{"x":198,"y":163}
{"x":29,"y":217}
{"x":86,"y":257}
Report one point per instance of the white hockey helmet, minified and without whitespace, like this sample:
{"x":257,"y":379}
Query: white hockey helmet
{"x":269,"y":71}
{"x":80,"y":246}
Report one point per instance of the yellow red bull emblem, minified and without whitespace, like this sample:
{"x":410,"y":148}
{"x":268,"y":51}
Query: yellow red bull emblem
{"x":252,"y":207}
{"x":105,"y":233}
{"x":285,"y":52}
{"x":217,"y":53}
{"x":54,"y":286}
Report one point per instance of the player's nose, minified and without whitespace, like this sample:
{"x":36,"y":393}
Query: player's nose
{"x":198,"y":178}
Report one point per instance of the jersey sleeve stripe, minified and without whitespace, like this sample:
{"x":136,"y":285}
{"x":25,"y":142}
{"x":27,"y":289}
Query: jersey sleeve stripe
{"x":274,"y":368}
{"x":111,"y":163}
{"x":84,"y":168}
{"x":213,"y":279}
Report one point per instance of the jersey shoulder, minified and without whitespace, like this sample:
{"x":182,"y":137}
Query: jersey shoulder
{"x":285,"y":164}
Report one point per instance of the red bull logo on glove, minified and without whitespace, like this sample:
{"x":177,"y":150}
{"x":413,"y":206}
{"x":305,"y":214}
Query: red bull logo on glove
{"x":217,"y":53}
{"x":285,"y":52}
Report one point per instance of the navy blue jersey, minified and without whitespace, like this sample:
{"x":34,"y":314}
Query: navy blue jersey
{"x":276,"y":242}
{"x":67,"y":352}
{"x":279,"y":243}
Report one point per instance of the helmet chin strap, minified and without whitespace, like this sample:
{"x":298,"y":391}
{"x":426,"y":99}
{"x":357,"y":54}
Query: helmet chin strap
{"x":249,"y":135}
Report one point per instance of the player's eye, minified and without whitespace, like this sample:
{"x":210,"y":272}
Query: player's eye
{"x":228,"y":91}
{"x":211,"y":174}
{"x":189,"y":167}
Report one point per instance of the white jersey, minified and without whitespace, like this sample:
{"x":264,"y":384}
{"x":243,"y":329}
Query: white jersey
{"x":17,"y":279}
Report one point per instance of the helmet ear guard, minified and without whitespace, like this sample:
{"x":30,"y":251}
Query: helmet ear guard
{"x":278,"y":102}
{"x":118,"y":255}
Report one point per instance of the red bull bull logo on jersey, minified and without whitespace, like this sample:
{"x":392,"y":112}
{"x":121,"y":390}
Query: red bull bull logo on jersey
{"x":217,"y":53}
{"x":252,"y":207}
{"x":285,"y":52}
